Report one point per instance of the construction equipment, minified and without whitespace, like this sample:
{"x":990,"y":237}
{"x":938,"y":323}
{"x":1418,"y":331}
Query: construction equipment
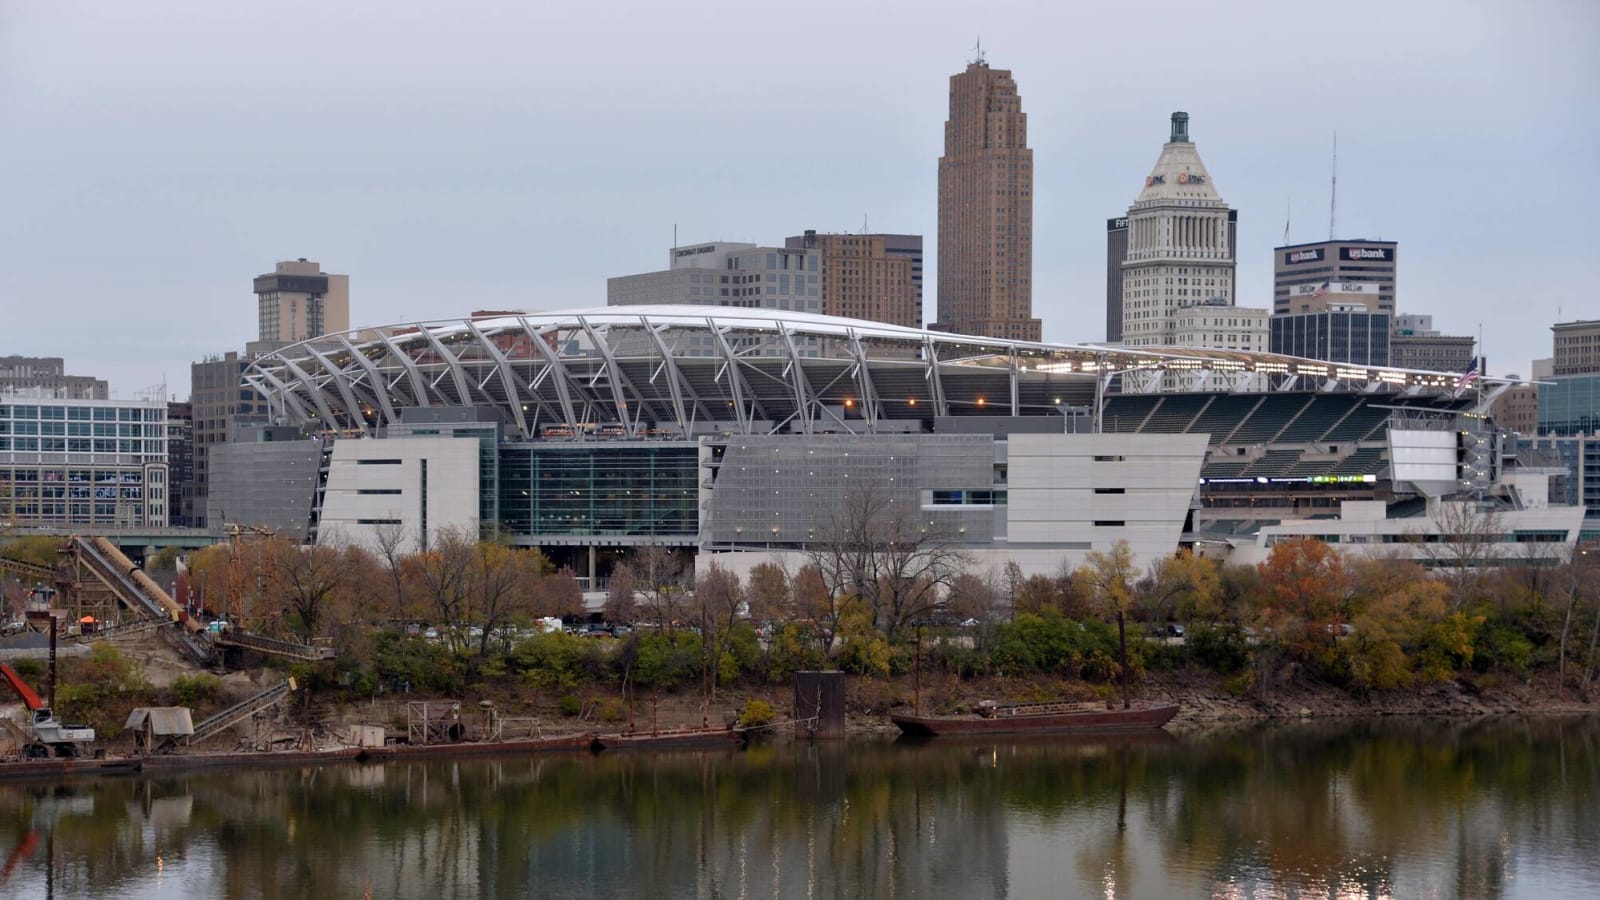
{"x":240,"y":711}
{"x":49,"y":735}
{"x":141,"y":594}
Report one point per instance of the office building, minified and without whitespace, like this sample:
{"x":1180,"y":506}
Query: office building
{"x":1116,"y":253}
{"x":217,"y":400}
{"x":1179,"y":244}
{"x":1340,"y":262}
{"x":863,"y":278}
{"x":1579,"y":456}
{"x":1577,"y":348}
{"x":1517,"y":409}
{"x":727,"y":274}
{"x":986,"y":210}
{"x":1415,"y":344}
{"x":45,"y":376}
{"x":1215,"y":324}
{"x":1339,"y":322}
{"x":1569,"y":389}
{"x":180,"y":465}
{"x":90,"y":463}
{"x":297,"y":301}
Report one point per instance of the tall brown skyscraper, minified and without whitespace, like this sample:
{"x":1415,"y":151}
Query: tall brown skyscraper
{"x":986,"y":209}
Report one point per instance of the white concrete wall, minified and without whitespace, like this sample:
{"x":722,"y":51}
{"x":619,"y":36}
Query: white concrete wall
{"x":1054,"y":505}
{"x":1363,"y":535}
{"x":372,"y":482}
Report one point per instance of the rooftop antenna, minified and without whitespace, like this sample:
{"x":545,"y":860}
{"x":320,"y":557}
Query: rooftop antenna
{"x":1288,"y":213}
{"x":977,"y":49}
{"x":1333,"y":195}
{"x":864,"y":228}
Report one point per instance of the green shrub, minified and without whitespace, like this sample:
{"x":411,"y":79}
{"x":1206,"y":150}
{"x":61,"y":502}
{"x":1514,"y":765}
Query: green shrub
{"x":570,"y":704}
{"x":1497,"y":646}
{"x":613,"y":710}
{"x":193,"y":690}
{"x":791,"y":649}
{"x":1221,"y":649}
{"x":756,"y":714}
{"x":30,"y":670}
{"x":423,"y":665}
{"x":1050,"y":643}
{"x":664,"y":661}
{"x":552,"y":660}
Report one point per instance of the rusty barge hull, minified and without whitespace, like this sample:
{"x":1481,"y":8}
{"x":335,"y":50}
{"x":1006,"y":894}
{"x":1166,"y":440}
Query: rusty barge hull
{"x":707,"y":739}
{"x":67,"y":768}
{"x":1101,"y":721}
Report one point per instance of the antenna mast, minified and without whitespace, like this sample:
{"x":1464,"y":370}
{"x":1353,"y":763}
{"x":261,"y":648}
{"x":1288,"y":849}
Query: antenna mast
{"x":1333,"y":195}
{"x":977,"y":49}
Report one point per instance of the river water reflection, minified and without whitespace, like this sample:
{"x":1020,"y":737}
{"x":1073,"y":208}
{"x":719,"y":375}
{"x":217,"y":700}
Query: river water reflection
{"x":1403,"y":809}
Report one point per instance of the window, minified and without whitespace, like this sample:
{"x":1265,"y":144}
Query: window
{"x":377,"y":462}
{"x":381,"y":491}
{"x":1108,"y":459}
{"x":378,"y":522}
{"x":1110,"y":490}
{"x":1109,"y":523}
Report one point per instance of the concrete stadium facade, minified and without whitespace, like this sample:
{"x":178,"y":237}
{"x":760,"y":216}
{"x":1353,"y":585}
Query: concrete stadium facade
{"x":595,"y":431}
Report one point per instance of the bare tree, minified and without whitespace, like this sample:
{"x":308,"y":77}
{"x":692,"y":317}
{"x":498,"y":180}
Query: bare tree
{"x":622,"y":604}
{"x":718,"y":599}
{"x":662,"y":584}
{"x":768,"y":593}
{"x":1468,"y":532}
{"x":310,"y":580}
{"x":502,"y":580}
{"x":973,"y":597}
{"x":441,"y":577}
{"x":558,"y":594}
{"x":390,"y":542}
{"x":887,"y":554}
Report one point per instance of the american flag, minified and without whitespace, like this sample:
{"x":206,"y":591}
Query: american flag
{"x":1469,"y":375}
{"x":1321,"y":289}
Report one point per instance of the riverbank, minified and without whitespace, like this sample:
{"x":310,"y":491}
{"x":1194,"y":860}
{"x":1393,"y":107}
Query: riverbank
{"x":1204,"y":699}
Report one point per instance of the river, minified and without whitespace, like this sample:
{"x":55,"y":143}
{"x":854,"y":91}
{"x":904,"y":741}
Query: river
{"x":1394,"y":808}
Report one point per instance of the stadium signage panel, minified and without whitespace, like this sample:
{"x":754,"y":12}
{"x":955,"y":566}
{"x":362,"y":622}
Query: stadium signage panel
{"x":1295,"y":257}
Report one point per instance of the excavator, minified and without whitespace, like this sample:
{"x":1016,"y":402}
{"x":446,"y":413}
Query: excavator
{"x":48,"y":735}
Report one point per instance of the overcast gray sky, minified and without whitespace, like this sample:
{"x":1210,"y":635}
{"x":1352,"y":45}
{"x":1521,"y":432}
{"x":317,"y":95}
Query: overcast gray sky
{"x":154,"y":156}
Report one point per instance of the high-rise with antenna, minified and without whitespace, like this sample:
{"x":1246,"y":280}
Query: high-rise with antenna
{"x":1333,"y":194}
{"x":986,"y":209}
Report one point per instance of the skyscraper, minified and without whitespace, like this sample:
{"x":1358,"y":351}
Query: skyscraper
{"x":1179,"y":244}
{"x":986,"y":209}
{"x":298,"y":301}
{"x":1345,"y":262}
{"x":877,"y":277}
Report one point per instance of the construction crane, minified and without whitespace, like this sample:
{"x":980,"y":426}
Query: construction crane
{"x":49,"y":736}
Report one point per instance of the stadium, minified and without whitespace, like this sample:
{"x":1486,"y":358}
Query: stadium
{"x":746,"y":432}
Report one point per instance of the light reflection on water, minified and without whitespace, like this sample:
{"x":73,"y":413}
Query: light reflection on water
{"x":1360,"y":810}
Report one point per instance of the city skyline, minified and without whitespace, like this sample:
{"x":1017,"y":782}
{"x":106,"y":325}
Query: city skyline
{"x":144,"y":197}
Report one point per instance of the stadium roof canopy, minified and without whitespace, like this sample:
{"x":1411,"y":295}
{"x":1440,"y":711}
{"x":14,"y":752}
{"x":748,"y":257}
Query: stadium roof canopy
{"x":690,"y":368}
